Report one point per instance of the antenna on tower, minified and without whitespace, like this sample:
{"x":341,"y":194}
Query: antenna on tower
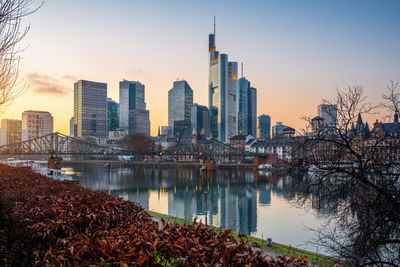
{"x":214,"y":25}
{"x":242,"y":68}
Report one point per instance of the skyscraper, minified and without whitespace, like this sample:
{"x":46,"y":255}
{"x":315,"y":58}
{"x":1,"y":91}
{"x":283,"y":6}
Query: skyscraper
{"x":72,"y":131}
{"x":112,"y":115}
{"x":10,"y":132}
{"x":36,"y":124}
{"x":133,"y":116}
{"x":222,"y":93}
{"x":247,"y":108}
{"x":329,"y":113}
{"x":200,"y":118}
{"x":90,"y":108}
{"x":264,"y":127}
{"x":180,"y":102}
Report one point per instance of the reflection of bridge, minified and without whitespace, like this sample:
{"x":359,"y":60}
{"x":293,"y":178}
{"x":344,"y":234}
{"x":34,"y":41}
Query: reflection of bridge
{"x":57,"y":144}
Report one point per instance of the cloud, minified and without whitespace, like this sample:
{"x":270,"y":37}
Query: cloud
{"x":44,"y":84}
{"x":69,"y":77}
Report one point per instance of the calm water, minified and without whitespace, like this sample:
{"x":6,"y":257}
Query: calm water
{"x":251,"y":202}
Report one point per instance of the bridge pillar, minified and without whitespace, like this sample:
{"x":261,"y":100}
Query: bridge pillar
{"x":54,"y":163}
{"x":259,"y":160}
{"x":208,"y":165}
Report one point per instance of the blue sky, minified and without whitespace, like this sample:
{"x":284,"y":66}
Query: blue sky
{"x":294,"y":52}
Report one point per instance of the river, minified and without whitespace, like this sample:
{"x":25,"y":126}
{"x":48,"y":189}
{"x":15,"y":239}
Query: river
{"x":255,"y":203}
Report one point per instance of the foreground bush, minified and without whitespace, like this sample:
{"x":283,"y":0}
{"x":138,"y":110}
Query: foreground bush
{"x":49,"y":222}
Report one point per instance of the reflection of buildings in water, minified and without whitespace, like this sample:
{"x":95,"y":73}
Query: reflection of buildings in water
{"x":181,"y":204}
{"x":140,"y":197}
{"x":323,"y":207}
{"x":264,"y":196}
{"x":229,"y":209}
{"x":248,"y":212}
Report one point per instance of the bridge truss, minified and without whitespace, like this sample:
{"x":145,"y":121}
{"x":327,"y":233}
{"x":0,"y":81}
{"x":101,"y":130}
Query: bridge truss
{"x":57,"y":144}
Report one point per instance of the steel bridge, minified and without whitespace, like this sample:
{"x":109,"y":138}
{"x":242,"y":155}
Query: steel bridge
{"x":58,"y":144}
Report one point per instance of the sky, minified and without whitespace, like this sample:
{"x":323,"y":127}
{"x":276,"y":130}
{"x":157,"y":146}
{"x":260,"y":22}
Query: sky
{"x":295,"y":53}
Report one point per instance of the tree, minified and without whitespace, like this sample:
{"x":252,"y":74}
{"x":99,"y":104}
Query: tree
{"x":357,"y":174}
{"x":137,"y":143}
{"x":11,"y":33}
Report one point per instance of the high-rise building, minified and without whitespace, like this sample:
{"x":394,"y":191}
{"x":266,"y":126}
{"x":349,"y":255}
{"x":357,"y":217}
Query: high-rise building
{"x":131,"y":96}
{"x":90,"y":108}
{"x":328,"y":112}
{"x":36,"y":124}
{"x":72,"y":131}
{"x":232,"y":96}
{"x":200,"y":118}
{"x":139,"y":122}
{"x":133,"y":116}
{"x":180,"y":126}
{"x":264,"y":127}
{"x":222,"y":94}
{"x":247,"y":108}
{"x":252,"y":115}
{"x":112,"y":115}
{"x":10,"y":132}
{"x":180,"y":102}
{"x":277,"y":130}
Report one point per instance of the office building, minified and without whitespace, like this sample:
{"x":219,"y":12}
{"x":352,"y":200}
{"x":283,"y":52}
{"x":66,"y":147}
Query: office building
{"x":10,"y":132}
{"x":200,"y":119}
{"x":112,"y":115}
{"x":277,"y":130}
{"x":222,"y":94}
{"x":247,"y":108}
{"x":139,"y":122}
{"x":328,"y":113}
{"x":264,"y":127}
{"x":180,"y":126}
{"x":133,"y":116}
{"x":72,"y":131}
{"x":90,"y":108}
{"x":36,"y":124}
{"x":180,"y":102}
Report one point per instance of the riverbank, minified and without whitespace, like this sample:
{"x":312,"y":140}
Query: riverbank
{"x":275,"y":248}
{"x":49,"y":222}
{"x":153,"y":164}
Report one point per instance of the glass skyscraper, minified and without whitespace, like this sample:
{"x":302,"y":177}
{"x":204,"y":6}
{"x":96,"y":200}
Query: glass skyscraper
{"x":200,"y":119}
{"x":133,"y":116}
{"x":222,"y":94}
{"x":10,"y":131}
{"x":90,"y":108}
{"x":264,"y":127}
{"x":180,"y":102}
{"x":247,"y":108}
{"x":131,"y":96}
{"x":112,"y":115}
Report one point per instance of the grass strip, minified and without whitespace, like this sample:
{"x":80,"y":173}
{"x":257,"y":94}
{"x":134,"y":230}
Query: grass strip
{"x":278,"y":249}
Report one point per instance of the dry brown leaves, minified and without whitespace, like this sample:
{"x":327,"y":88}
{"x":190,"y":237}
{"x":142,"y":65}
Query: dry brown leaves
{"x":49,"y":222}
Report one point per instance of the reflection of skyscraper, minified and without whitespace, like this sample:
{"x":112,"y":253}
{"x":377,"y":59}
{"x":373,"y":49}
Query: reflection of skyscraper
{"x":248,"y":211}
{"x":229,"y":209}
{"x":139,"y":196}
{"x":265,"y":196}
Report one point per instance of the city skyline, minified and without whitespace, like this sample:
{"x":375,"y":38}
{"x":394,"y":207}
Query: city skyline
{"x":293,"y":58}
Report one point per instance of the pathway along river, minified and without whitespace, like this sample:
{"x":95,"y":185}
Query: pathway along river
{"x":255,"y":203}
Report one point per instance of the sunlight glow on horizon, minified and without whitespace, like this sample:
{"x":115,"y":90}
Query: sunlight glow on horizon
{"x":295,"y":54}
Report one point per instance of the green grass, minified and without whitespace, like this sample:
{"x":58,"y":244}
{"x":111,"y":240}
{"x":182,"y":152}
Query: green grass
{"x":277,"y":248}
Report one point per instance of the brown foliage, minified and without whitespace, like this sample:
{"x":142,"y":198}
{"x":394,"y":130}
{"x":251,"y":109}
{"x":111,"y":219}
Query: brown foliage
{"x":137,"y":143}
{"x":49,"y":222}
